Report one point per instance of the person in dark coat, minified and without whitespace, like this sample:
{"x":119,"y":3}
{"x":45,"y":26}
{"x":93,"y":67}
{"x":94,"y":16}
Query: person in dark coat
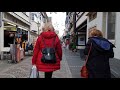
{"x":98,"y":61}
{"x":49,"y":35}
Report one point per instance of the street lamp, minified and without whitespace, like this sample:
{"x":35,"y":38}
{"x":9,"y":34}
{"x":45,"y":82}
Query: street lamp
{"x":38,"y":24}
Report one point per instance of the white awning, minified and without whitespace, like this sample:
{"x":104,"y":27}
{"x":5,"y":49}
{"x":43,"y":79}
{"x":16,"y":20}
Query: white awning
{"x":23,"y":28}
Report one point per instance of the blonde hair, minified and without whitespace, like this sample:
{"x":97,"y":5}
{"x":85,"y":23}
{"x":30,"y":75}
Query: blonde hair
{"x":95,"y":32}
{"x":48,"y":27}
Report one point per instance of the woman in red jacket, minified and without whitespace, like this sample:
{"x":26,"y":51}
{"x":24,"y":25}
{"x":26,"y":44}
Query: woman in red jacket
{"x":49,"y":35}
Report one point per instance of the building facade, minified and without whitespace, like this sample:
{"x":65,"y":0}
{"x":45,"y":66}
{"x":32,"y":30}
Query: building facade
{"x":38,"y":19}
{"x":12,"y":23}
{"x":107,"y":22}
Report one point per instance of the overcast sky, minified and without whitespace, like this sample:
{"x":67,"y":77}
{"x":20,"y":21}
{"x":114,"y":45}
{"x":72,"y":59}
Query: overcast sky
{"x":58,"y":21}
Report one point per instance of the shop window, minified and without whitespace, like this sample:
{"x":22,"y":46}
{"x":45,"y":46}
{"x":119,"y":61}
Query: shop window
{"x":92,"y":16}
{"x":111,"y":25}
{"x":24,"y":35}
{"x":81,"y":39}
{"x":9,"y":37}
{"x":9,"y":34}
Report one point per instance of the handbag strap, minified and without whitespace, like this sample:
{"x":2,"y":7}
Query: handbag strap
{"x":88,"y":54}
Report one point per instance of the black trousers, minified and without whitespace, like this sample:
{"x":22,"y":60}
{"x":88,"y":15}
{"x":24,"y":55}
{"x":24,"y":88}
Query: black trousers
{"x":48,"y":74}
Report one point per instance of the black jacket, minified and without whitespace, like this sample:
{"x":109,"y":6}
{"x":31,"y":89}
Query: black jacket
{"x":98,"y":61}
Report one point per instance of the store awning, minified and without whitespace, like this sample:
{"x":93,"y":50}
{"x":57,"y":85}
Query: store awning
{"x":23,"y":28}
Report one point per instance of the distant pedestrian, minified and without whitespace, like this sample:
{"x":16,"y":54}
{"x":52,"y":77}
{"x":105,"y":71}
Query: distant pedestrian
{"x":31,"y":47}
{"x":67,"y":43}
{"x":63,"y":45}
{"x":98,"y":61}
{"x":46,"y":40}
{"x":27,"y":47}
{"x":74,"y":47}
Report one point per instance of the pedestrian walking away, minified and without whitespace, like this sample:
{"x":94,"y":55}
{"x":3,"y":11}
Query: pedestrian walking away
{"x":98,"y":60}
{"x":47,"y":39}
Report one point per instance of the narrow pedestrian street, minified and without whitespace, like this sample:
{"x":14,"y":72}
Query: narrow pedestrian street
{"x":20,"y":31}
{"x":22,"y":69}
{"x":70,"y":67}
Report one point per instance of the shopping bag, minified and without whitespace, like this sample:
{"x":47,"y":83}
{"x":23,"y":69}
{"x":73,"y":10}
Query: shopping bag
{"x":84,"y":72}
{"x":34,"y":73}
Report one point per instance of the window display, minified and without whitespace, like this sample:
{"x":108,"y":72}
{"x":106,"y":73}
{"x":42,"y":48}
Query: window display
{"x":81,"y":39}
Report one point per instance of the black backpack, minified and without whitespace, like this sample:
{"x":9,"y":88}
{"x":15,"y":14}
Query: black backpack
{"x":48,"y":53}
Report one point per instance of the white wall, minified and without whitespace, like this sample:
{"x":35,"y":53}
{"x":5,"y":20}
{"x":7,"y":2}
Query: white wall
{"x":2,"y":48}
{"x":99,"y":20}
{"x":117,"y":37}
{"x":28,"y":14}
{"x":96,"y":22}
{"x":34,"y":26}
{"x":21,"y":16}
{"x":90,"y":25}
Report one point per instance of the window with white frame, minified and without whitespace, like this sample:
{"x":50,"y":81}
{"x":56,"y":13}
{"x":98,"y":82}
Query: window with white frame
{"x":32,"y":16}
{"x":44,"y":20}
{"x":111,"y":25}
{"x":92,"y":16}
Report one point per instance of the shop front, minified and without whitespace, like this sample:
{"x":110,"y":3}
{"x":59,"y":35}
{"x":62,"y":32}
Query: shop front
{"x":81,"y":37}
{"x":14,"y":38}
{"x":21,"y":41}
{"x":13,"y":35}
{"x":9,"y":34}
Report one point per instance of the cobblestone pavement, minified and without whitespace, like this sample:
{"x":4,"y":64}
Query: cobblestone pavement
{"x":74,"y":62}
{"x":22,"y":70}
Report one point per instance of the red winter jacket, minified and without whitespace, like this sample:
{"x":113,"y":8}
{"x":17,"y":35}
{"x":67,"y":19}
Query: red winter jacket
{"x":36,"y":59}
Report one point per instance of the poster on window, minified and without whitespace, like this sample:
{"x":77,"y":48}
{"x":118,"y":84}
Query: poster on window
{"x":81,"y":40}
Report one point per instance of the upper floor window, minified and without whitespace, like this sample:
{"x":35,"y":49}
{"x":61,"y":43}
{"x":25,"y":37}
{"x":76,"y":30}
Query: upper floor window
{"x":32,"y":16}
{"x":111,"y":25}
{"x":92,"y":16}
